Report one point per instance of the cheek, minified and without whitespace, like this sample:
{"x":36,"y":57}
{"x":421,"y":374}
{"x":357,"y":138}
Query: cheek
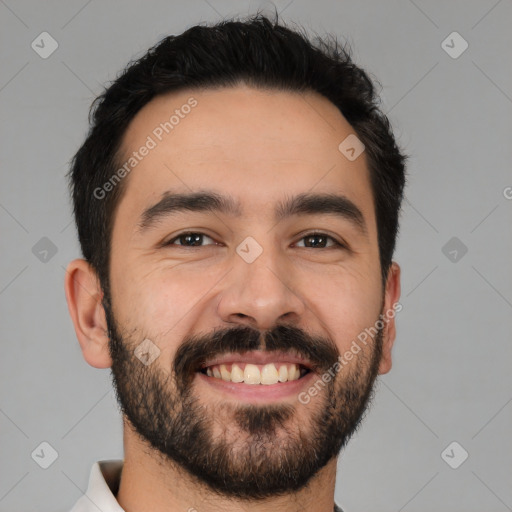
{"x":346,"y":305}
{"x":160,"y":301}
{"x":158,"y":306}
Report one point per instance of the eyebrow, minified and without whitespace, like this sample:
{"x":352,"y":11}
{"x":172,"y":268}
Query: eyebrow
{"x":210,"y":201}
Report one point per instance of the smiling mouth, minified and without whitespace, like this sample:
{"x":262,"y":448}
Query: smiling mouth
{"x":254,"y":374}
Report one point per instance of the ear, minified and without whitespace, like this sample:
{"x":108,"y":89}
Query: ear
{"x":391,"y":297}
{"x":84,"y":296}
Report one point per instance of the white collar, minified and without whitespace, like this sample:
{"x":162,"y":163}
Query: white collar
{"x":102,"y":489}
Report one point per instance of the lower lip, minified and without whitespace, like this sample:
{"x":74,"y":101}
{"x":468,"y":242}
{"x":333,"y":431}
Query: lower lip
{"x":258,"y":392}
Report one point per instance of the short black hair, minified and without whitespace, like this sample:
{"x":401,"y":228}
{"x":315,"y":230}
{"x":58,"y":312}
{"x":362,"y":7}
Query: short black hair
{"x":260,"y":53}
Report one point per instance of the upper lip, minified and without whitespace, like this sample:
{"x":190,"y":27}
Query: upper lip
{"x":258,"y":357}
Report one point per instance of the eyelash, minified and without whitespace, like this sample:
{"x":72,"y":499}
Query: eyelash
{"x":337,"y":245}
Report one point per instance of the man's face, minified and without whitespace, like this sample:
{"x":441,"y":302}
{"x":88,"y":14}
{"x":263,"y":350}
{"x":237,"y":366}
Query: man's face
{"x":249,"y":290}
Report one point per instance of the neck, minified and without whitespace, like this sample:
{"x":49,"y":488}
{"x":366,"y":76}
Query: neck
{"x":147,"y":483}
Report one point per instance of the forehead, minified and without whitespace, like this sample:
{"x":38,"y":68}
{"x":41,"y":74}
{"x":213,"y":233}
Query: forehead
{"x":254,"y":145}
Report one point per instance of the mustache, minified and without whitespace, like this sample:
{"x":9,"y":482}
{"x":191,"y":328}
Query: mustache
{"x":320,"y":352}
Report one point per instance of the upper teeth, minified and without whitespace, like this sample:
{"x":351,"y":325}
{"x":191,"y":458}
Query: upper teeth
{"x":254,"y":374}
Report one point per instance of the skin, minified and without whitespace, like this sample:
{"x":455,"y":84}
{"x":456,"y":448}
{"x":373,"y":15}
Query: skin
{"x":257,"y":147}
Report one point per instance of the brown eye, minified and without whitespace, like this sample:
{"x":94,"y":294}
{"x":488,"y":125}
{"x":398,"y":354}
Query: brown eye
{"x":320,"y":240}
{"x":189,"y":239}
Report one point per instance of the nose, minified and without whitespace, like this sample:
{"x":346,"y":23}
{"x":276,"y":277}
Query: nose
{"x":260,"y":294}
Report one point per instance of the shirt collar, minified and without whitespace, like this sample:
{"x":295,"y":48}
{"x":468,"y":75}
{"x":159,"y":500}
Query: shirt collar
{"x":103,"y":486}
{"x":102,"y":489}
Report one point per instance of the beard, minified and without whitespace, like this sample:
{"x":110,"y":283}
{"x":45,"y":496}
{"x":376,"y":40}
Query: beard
{"x":244,"y":451}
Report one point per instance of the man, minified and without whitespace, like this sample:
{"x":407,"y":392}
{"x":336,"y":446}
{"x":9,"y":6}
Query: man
{"x":237,"y":202}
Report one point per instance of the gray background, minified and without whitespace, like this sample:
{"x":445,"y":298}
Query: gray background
{"x":451,"y":379}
